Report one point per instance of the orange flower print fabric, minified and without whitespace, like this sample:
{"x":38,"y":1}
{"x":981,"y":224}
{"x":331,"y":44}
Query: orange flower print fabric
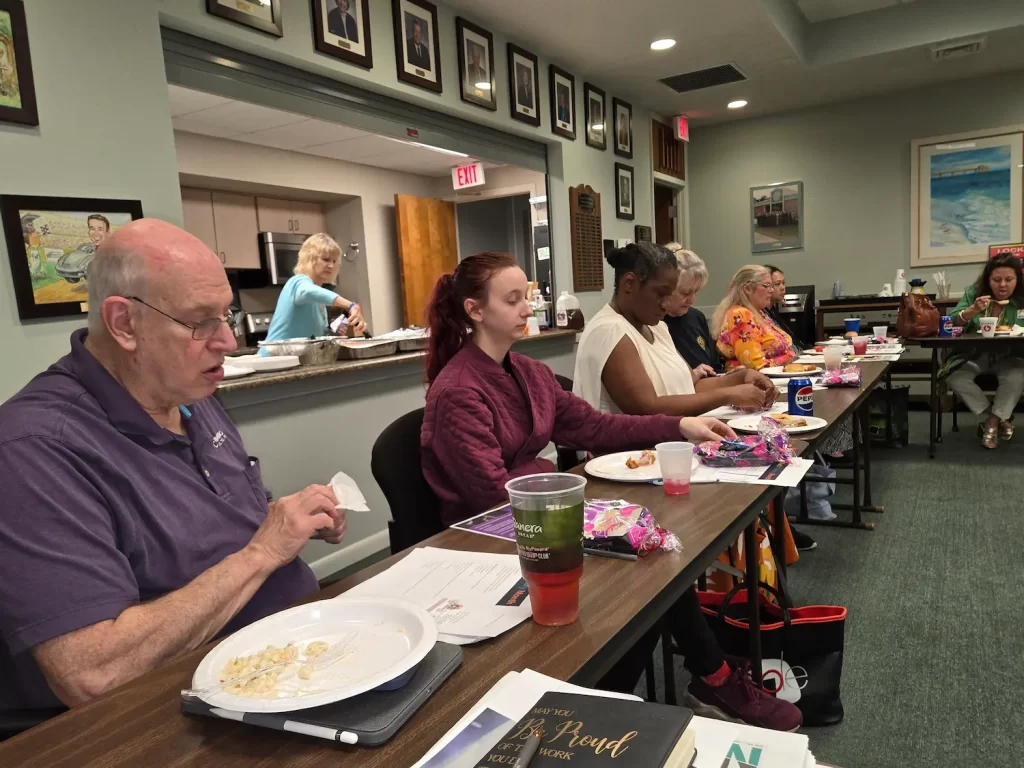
{"x":745,"y":343}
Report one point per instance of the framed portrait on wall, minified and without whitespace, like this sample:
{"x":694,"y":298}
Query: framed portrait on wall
{"x":524,"y":85}
{"x":594,"y":113}
{"x":50,"y":242}
{"x":264,"y":15}
{"x":777,"y":217}
{"x":623,"y":115}
{"x":965,"y":195}
{"x":563,"y":102}
{"x":417,"y":49}
{"x":477,"y":83}
{"x":624,"y":192}
{"x":341,"y":28}
{"x":17,"y":87}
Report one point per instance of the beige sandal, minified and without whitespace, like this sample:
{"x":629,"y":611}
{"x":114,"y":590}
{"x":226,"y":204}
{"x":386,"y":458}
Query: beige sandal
{"x":1006,"y":431}
{"x":989,"y":436}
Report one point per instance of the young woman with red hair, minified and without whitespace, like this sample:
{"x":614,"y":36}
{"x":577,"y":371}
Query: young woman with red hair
{"x":491,"y":411}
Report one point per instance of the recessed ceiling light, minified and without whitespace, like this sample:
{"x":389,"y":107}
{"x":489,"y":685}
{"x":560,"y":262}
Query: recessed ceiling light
{"x":738,"y":104}
{"x":663,"y":45}
{"x":483,"y":86}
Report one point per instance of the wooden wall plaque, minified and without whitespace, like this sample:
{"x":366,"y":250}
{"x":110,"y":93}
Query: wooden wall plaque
{"x":587,"y":251}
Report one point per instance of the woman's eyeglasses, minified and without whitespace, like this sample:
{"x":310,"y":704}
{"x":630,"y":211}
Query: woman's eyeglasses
{"x":204,"y":329}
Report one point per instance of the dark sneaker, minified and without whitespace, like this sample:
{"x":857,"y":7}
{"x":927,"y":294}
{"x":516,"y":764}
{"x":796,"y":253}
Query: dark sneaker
{"x":803,"y":542}
{"x":740,"y":701}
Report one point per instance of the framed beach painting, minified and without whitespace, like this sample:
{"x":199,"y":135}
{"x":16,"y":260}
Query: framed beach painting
{"x":965,"y":195}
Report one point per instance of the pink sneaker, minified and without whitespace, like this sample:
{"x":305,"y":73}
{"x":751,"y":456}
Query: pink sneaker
{"x":739,"y":700}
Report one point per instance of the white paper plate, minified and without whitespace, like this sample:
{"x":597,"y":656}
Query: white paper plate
{"x":391,"y":637}
{"x":264,"y":364}
{"x":751,"y":423}
{"x":830,"y":343}
{"x":236,"y":371}
{"x":778,"y":373}
{"x":613,"y":467}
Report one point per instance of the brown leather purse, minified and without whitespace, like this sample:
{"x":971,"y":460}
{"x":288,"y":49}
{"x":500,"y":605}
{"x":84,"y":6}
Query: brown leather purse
{"x":917,"y":316}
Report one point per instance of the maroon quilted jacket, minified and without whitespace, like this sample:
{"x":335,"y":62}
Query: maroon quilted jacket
{"x":484,"y":426}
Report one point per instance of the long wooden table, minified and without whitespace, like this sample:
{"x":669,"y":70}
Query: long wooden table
{"x":964,"y":343}
{"x":140,"y":724}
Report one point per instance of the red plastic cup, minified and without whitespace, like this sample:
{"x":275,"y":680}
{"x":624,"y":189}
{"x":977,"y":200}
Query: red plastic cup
{"x":860,"y":347}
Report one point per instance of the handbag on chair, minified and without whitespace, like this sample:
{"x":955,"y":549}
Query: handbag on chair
{"x":917,"y":316}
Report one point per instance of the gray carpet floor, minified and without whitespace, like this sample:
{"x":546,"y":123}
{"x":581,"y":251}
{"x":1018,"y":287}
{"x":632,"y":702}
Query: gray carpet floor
{"x":934,"y":660}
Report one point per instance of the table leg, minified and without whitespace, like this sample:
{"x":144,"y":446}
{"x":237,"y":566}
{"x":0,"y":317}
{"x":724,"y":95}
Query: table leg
{"x":933,"y":401}
{"x":865,"y":416}
{"x":779,"y":535}
{"x":856,"y":467}
{"x":888,"y":407}
{"x":753,"y":602}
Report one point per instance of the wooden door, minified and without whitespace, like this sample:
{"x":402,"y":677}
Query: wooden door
{"x":426,"y":249}
{"x":274,"y":215}
{"x":237,"y":230}
{"x":308,"y":218}
{"x":197,"y":208}
{"x":664,"y":214}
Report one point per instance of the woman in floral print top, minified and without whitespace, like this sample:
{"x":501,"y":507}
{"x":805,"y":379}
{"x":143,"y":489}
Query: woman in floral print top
{"x":747,"y":337}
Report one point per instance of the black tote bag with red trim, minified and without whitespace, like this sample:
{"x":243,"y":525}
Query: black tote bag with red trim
{"x":801,"y":648}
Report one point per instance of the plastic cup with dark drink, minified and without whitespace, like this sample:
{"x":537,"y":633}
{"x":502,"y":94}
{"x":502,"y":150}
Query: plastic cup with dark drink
{"x":548,"y":513}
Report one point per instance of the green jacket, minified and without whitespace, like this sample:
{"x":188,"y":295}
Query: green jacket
{"x":1007,"y":317}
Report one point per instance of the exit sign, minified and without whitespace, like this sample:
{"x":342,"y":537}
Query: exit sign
{"x":681,"y":128}
{"x":468,"y":176}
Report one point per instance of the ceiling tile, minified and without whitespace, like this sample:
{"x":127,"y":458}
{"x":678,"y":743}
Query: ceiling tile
{"x":306,"y":133}
{"x":238,"y":117}
{"x":190,"y":125}
{"x":183,"y":101}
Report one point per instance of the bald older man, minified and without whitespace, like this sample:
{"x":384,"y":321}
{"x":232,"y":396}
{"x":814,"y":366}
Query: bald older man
{"x":134,"y":526}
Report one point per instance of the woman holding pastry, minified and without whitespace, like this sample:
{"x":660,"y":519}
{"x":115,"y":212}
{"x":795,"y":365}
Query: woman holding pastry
{"x":999,"y":293}
{"x":627,"y":362}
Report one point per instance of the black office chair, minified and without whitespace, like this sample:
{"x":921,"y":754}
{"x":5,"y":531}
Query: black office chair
{"x":567,"y":458}
{"x":15,"y":721}
{"x":395,"y":464}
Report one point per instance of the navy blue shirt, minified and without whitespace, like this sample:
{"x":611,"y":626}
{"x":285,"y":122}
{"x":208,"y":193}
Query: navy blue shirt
{"x":693,"y":339}
{"x":101,"y":508}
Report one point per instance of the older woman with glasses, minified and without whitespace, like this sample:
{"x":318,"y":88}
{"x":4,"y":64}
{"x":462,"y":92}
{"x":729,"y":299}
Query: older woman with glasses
{"x":998,"y":292}
{"x":301,"y":309}
{"x":747,"y":336}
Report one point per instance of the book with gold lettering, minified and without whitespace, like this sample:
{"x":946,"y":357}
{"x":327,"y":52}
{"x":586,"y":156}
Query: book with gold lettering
{"x":589,"y":732}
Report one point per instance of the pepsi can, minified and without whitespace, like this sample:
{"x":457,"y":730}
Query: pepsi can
{"x":946,"y":326}
{"x":801,"y":397}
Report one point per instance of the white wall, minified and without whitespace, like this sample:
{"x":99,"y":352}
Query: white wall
{"x":344,"y":222}
{"x":854,"y":161}
{"x":570,"y":162}
{"x":238,"y":161}
{"x":104,"y":131}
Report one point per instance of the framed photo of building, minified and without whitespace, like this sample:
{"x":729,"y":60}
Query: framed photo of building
{"x":594,"y":111}
{"x":524,"y":85}
{"x":966,"y":195}
{"x":417,"y":49}
{"x":777,"y":217}
{"x":477,"y":84}
{"x":17,"y":88}
{"x":624,"y":192}
{"x":563,"y":102}
{"x":341,"y":28}
{"x":623,"y":115}
{"x":264,"y":15}
{"x":51,"y":241}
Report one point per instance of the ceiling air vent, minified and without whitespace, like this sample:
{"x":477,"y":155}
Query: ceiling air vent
{"x":955,"y":49}
{"x":704,"y":78}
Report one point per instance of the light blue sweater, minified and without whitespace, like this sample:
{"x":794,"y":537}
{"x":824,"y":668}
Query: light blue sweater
{"x":301,"y":310}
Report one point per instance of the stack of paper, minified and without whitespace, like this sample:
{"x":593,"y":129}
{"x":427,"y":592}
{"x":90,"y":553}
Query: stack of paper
{"x":721,"y":744}
{"x":471,"y":595}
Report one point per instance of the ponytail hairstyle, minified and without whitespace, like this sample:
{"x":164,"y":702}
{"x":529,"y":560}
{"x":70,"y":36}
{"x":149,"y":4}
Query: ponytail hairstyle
{"x":446,"y":313}
{"x":644,"y":259}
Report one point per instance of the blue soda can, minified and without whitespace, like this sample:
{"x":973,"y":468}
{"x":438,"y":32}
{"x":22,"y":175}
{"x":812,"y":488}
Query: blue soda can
{"x":801,"y":397}
{"x":946,"y":326}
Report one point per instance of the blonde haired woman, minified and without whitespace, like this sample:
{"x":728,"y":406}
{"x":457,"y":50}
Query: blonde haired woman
{"x":301,"y":309}
{"x":687,"y":324}
{"x":747,"y":337}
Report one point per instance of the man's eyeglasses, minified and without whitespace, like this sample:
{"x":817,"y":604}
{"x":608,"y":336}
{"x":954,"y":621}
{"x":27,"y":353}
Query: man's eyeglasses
{"x":204,"y":329}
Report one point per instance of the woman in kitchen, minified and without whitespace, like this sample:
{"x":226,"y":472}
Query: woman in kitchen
{"x":301,"y":309}
{"x":998,"y":293}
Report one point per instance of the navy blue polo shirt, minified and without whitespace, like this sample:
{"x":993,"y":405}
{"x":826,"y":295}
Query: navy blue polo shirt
{"x":101,"y":508}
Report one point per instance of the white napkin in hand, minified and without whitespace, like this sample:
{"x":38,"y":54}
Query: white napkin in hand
{"x":348,"y":494}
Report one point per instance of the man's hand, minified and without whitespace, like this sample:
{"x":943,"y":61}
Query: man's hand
{"x":293,"y":520}
{"x":335,"y":533}
{"x":699,"y":429}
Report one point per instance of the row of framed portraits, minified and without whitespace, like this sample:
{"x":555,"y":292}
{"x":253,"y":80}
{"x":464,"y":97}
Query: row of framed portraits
{"x":341,"y":28}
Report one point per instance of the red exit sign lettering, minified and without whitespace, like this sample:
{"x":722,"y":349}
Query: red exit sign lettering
{"x":682,"y":128}
{"x":468,"y":176}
